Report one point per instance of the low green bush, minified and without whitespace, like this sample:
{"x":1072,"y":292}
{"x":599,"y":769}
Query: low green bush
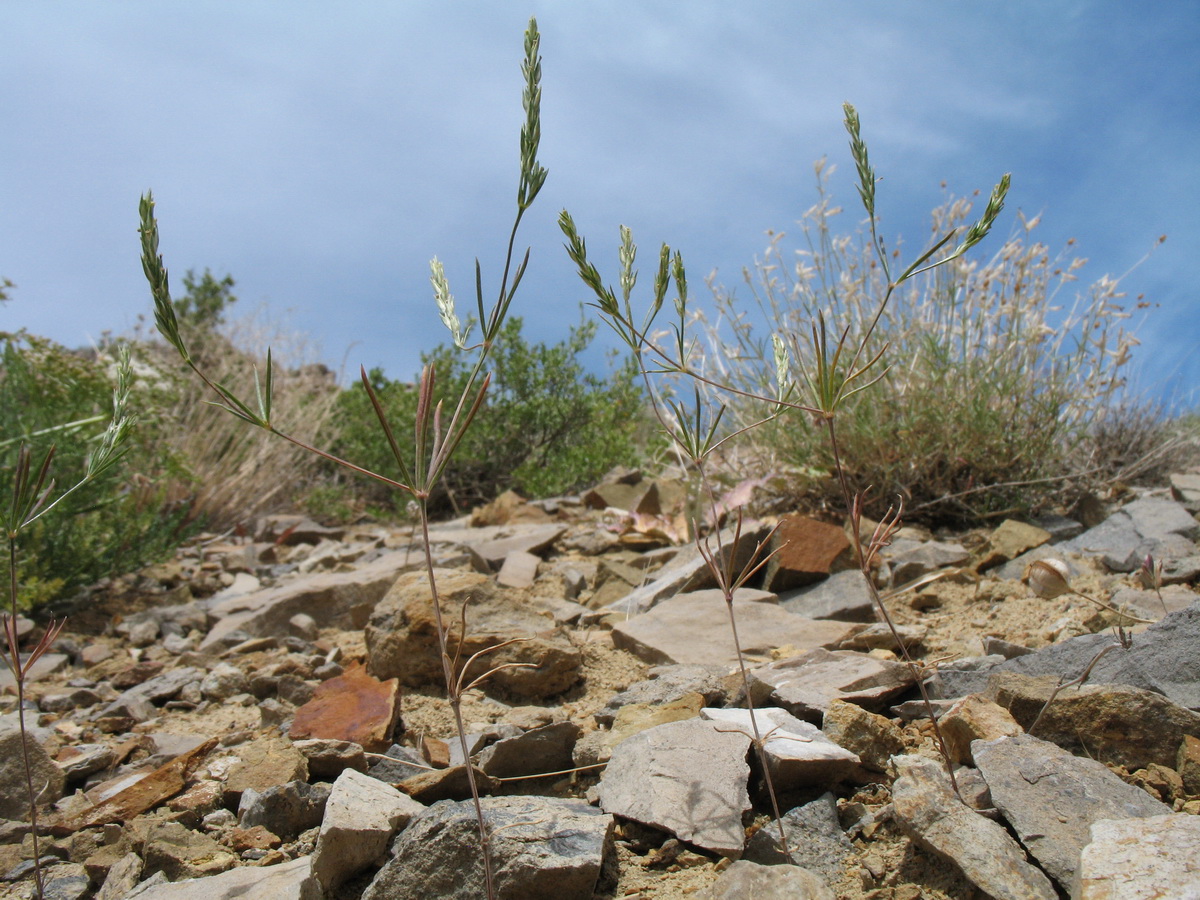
{"x":115,"y":523}
{"x":548,"y":426}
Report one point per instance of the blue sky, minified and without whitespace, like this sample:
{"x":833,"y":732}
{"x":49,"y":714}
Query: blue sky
{"x":322,"y":153}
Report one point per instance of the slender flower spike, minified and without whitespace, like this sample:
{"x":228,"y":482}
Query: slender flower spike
{"x":445,"y":302}
{"x":783,"y":365}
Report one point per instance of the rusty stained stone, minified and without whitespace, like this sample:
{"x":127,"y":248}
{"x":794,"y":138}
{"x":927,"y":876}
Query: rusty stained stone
{"x":161,"y":784}
{"x":353,"y":707}
{"x":808,"y":550}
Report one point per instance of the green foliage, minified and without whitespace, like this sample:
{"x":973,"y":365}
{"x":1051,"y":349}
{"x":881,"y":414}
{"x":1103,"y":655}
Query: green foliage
{"x":116,"y":521}
{"x":547,"y":426}
{"x":202,"y":308}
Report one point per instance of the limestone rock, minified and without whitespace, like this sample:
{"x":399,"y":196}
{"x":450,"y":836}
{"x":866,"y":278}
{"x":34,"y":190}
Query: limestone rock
{"x":328,"y":597}
{"x":286,"y":881}
{"x":179,"y":852}
{"x":284,"y":809}
{"x":1009,"y":541}
{"x":14,"y":801}
{"x":361,"y":818}
{"x":542,"y":849}
{"x":262,"y":764}
{"x":1150,"y":525}
{"x":694,"y":629}
{"x":814,"y":836}
{"x":545,"y":749}
{"x":806,"y":684}
{"x":688,"y":778}
{"x":667,"y":684}
{"x":873,"y":738}
{"x":844,"y":596}
{"x":798,"y":754}
{"x":1050,"y":798}
{"x":1155,"y":858}
{"x":975,"y":718}
{"x":688,"y":571}
{"x":1162,"y":658}
{"x":782,"y":882}
{"x":927,"y":809}
{"x":402,"y":636}
{"x":1114,"y":722}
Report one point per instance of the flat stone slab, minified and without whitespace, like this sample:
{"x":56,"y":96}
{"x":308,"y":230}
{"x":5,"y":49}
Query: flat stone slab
{"x":688,"y":778}
{"x":531,"y":539}
{"x":1152,"y":525}
{"x":1162,"y":659}
{"x":688,"y":571}
{"x":287,"y":881}
{"x":541,"y":847}
{"x":354,"y":707}
{"x":927,"y":809}
{"x":694,"y":628}
{"x":746,"y":879}
{"x":1051,"y":798}
{"x":805,"y":550}
{"x":798,"y":753}
{"x":806,"y":684}
{"x":329,"y":597}
{"x":1141,"y":859}
{"x":843,"y":596}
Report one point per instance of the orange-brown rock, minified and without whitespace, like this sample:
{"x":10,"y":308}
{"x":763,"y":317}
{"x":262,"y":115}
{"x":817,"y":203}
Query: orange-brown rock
{"x":353,"y":707}
{"x":807,"y":552}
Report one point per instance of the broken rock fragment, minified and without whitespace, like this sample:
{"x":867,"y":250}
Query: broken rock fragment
{"x":353,"y":707}
{"x":688,"y":778}
{"x":541,"y":848}
{"x":927,"y":808}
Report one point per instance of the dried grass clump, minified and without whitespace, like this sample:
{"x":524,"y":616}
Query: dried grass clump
{"x":1000,"y":393}
{"x":222,"y":475}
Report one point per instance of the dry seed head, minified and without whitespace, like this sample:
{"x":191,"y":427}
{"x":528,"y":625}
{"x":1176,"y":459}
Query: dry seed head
{"x":1048,"y":578}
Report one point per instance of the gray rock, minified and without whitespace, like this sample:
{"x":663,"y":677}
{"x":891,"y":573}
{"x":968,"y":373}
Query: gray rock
{"x":688,"y":778}
{"x":1150,"y":525}
{"x":397,"y":763}
{"x":1119,"y":724}
{"x":329,"y":597}
{"x":530,"y":539}
{"x":14,"y":800}
{"x":286,"y":809}
{"x":688,"y":571}
{"x":927,"y":809}
{"x":545,"y":749}
{"x":519,"y":569}
{"x":783,"y":882}
{"x":1161,"y":659}
{"x":122,"y":878}
{"x":1149,"y":604}
{"x":843,"y":596}
{"x":667,"y":684}
{"x":158,"y":689}
{"x":223,"y":681}
{"x":694,"y":629}
{"x":361,"y":818}
{"x":911,"y":559}
{"x":542,"y":849}
{"x":179,"y":852}
{"x":798,"y":754}
{"x":815,"y":839}
{"x":1051,"y":798}
{"x":328,"y":758}
{"x":806,"y":684}
{"x":302,"y":625}
{"x":286,"y":881}
{"x":401,"y":636}
{"x":960,"y":677}
{"x":1156,"y":858}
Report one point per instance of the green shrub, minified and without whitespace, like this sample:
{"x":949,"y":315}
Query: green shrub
{"x":548,"y":426}
{"x":117,"y":522}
